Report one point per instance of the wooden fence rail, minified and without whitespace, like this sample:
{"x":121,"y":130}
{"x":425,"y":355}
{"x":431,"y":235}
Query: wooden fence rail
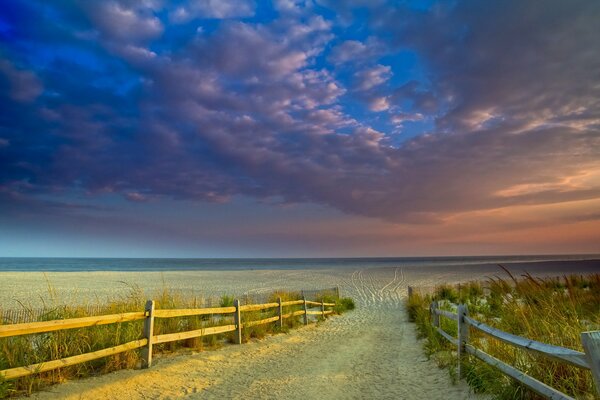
{"x":58,"y":325}
{"x":149,"y":339}
{"x":588,"y":360}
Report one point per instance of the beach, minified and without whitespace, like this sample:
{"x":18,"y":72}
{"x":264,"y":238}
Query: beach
{"x":35,"y":289}
{"x":371,"y":352}
{"x":199,"y":180}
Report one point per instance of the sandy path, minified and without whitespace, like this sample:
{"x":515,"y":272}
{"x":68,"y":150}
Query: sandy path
{"x":371,"y":352}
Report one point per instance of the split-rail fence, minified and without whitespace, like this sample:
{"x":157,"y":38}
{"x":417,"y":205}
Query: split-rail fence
{"x":589,"y":360}
{"x":149,"y":339}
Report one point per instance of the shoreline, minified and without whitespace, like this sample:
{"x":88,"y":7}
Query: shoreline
{"x":35,"y":288}
{"x":57,"y":264}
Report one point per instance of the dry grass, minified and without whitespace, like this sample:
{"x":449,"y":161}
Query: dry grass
{"x":550,"y":310}
{"x":31,"y":349}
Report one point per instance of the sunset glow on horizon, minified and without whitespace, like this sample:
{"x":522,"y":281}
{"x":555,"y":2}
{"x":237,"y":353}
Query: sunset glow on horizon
{"x":299,"y":128}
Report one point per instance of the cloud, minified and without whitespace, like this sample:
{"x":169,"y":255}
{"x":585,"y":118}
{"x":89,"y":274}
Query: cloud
{"x":399,"y":119}
{"x":180,"y":15}
{"x":291,"y":6}
{"x":379,"y":104}
{"x":420,"y":97}
{"x":136,"y":197}
{"x":212,"y":9}
{"x":355,"y":51}
{"x":532,"y":69}
{"x":372,"y":77}
{"x":236,"y":47}
{"x":119,"y":21}
{"x":24,"y":86}
{"x":136,"y":55}
{"x":267,"y":108}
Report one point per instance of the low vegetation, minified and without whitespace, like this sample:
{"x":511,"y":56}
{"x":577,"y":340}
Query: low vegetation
{"x":36,"y":348}
{"x":550,"y":310}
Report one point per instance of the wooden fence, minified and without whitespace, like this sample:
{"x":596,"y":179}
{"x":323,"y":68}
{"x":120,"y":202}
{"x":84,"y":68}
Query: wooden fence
{"x":588,"y":360}
{"x":149,"y":339}
{"x":28,"y":314}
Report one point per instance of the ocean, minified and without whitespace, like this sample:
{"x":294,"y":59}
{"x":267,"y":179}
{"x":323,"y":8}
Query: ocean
{"x":229,"y":264}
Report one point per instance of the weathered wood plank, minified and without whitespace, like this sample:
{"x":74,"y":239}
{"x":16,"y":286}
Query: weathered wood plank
{"x":447,"y":336}
{"x":146,"y":353}
{"x":171,"y":337}
{"x":569,"y":356}
{"x":462,"y":334}
{"x":591,"y":344}
{"x":19,"y":372}
{"x":56,"y":325}
{"x":292,"y":303}
{"x":446,"y":314}
{"x":261,"y":321}
{"x":434,"y":315}
{"x":532,"y":383}
{"x":317,"y":303}
{"x":238,"y":322}
{"x":258,"y":307}
{"x":328,"y":312}
{"x":313,"y":303}
{"x":295,"y":313}
{"x":309,"y":312}
{"x":192,"y":311}
{"x":279,"y":312}
{"x":305,"y":311}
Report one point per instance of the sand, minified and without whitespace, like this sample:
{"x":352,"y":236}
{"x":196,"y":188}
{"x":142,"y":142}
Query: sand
{"x":371,"y":352}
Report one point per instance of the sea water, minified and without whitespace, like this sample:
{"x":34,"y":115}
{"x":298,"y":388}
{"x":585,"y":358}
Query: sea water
{"x":228,"y":264}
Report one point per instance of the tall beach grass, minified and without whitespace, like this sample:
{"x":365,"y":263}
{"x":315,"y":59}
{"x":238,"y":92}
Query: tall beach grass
{"x":36,"y":348}
{"x":552,"y":310}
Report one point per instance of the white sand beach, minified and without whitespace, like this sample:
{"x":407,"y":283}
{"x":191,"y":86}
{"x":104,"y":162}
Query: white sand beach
{"x":371,"y":352}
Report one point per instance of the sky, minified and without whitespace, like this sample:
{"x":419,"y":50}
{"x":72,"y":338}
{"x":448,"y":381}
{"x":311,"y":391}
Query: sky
{"x":243,"y":128}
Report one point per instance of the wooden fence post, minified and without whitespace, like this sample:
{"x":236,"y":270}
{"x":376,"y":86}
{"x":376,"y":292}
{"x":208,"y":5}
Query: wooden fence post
{"x":591,"y":345}
{"x":410,"y":292}
{"x":238,"y":322}
{"x":305,"y":311}
{"x":148,"y":334}
{"x":280,"y":312}
{"x":434,"y":315}
{"x":463,"y":335}
{"x":323,"y":308}
{"x":337,"y":292}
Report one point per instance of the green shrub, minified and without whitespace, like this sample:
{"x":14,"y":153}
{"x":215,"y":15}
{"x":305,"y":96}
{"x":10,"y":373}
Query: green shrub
{"x":344,"y":304}
{"x":446,"y":292}
{"x":226,"y":301}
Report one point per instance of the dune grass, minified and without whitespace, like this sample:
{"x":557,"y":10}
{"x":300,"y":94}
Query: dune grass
{"x":550,"y":310}
{"x":31,"y":349}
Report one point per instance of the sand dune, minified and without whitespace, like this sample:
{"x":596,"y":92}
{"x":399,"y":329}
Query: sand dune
{"x":371,"y":352}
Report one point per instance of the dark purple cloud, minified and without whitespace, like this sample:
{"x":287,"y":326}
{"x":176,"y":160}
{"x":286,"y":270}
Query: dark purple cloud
{"x":22,"y":86}
{"x":208,"y":100}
